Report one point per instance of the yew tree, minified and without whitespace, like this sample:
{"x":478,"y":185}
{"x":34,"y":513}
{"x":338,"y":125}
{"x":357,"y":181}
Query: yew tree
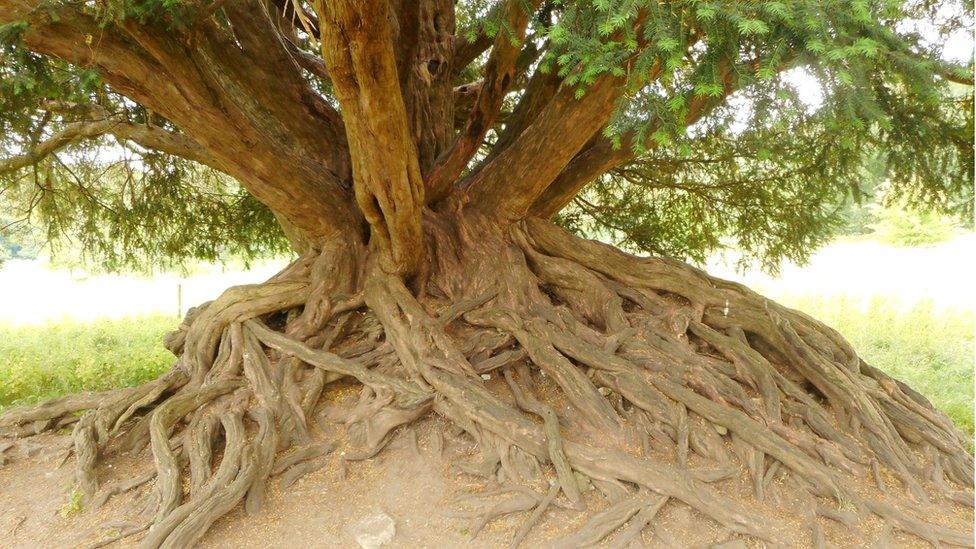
{"x":431,"y":165}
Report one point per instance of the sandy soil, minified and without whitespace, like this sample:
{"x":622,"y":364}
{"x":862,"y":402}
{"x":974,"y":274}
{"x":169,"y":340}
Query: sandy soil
{"x":414,"y":483}
{"x":416,"y":489}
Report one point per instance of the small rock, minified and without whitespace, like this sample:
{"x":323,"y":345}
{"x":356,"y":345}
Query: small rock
{"x":374,"y":531}
{"x":486,"y":376}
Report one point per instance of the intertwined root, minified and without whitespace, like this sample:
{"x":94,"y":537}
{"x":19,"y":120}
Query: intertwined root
{"x":676,"y":381}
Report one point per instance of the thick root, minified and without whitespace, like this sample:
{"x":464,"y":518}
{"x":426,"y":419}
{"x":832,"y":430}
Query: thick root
{"x":676,"y":384}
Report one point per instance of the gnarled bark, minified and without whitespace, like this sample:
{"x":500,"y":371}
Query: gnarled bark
{"x":358,"y":49}
{"x":664,"y":383}
{"x":724,"y":382}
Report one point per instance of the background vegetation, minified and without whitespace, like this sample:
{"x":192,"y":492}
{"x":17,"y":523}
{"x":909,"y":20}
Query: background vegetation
{"x":38,"y":362}
{"x":930,"y":350}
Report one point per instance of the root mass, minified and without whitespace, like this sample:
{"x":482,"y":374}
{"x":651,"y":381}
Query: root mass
{"x":669,"y":383}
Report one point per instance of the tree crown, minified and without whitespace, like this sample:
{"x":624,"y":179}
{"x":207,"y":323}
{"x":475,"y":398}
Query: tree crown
{"x":699,"y":126}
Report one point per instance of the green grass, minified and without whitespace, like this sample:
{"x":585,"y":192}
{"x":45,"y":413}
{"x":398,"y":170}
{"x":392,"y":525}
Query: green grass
{"x":38,"y":362}
{"x":932,"y":351}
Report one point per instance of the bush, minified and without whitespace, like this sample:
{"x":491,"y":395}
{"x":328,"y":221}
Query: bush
{"x":38,"y":362}
{"x":906,"y":227}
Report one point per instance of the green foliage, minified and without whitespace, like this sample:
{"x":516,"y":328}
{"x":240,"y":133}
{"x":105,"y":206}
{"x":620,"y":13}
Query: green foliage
{"x":773,"y":192}
{"x":911,"y":227}
{"x":38,"y":362}
{"x":117,"y":204}
{"x":163,"y":215}
{"x":729,"y":150}
{"x":766,"y":170}
{"x":930,"y":350}
{"x":857,"y":220}
{"x":73,"y":506}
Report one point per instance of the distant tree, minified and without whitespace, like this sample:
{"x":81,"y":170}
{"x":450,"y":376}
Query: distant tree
{"x":413,"y":155}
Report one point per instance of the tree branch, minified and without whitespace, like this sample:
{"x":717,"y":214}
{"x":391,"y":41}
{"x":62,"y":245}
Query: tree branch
{"x":597,"y":158}
{"x":116,"y":125}
{"x":71,"y":133}
{"x":498,"y":77}
{"x":158,"y":139}
{"x":262,"y":125}
{"x":951,"y":76}
{"x":312,"y":63}
{"x":307,"y":21}
{"x":600,"y":156}
{"x":538,"y":92}
{"x":467,"y":51}
{"x":509,"y":184}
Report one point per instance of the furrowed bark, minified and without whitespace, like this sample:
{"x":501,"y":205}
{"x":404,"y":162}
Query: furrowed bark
{"x":596,"y":159}
{"x":507,"y":186}
{"x":498,"y":78}
{"x":424,"y":50}
{"x":357,"y":46}
{"x":541,"y":88}
{"x":265,"y":128}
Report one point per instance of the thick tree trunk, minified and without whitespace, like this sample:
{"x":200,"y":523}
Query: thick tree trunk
{"x":666,"y":381}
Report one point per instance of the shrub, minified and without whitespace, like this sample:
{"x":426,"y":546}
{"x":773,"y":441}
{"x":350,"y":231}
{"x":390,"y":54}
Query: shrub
{"x":906,"y":227}
{"x":38,"y":362}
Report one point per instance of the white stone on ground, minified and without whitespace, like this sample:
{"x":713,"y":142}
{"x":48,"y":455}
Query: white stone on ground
{"x":374,"y":531}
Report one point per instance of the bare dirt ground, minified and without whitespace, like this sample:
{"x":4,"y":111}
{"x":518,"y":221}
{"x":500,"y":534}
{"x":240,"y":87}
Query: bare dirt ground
{"x":415,"y":480}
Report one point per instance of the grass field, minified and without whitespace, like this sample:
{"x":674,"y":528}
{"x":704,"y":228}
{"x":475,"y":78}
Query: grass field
{"x":38,"y":362}
{"x":931,"y":350}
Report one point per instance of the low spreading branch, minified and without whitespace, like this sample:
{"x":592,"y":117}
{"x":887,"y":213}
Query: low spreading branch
{"x":150,"y":137}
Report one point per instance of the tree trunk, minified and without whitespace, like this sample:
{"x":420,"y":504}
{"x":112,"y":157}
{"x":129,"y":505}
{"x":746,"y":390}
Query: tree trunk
{"x":674,"y":382}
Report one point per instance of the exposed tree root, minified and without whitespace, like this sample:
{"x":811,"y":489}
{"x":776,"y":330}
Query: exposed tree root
{"x":677,"y":382}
